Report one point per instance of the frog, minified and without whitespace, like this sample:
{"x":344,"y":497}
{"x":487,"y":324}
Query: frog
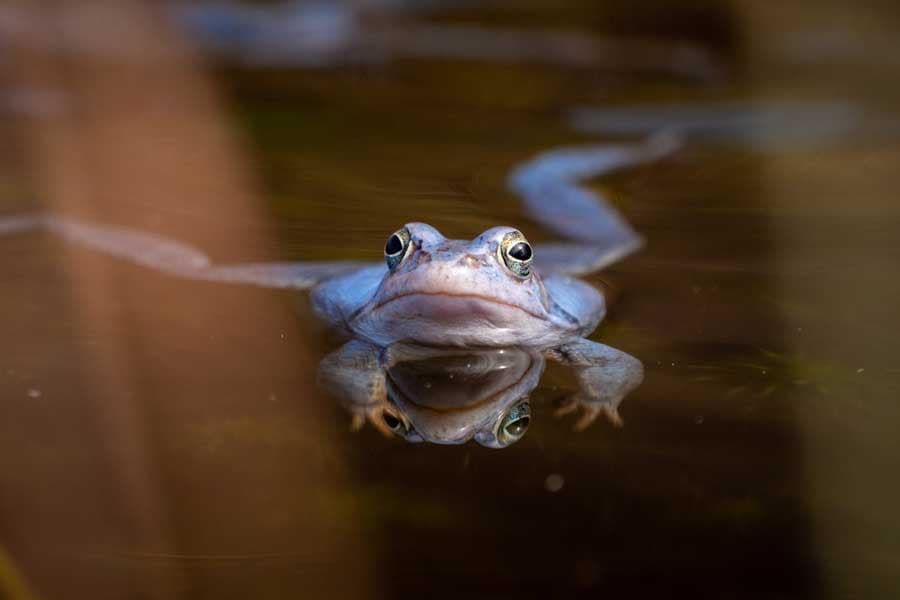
{"x":484,"y":293}
{"x":496,"y":290}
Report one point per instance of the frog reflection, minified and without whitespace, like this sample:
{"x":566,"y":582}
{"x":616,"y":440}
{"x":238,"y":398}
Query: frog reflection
{"x":451,"y":396}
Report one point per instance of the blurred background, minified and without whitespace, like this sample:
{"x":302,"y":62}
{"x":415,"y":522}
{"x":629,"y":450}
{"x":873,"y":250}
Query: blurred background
{"x":164,"y":438}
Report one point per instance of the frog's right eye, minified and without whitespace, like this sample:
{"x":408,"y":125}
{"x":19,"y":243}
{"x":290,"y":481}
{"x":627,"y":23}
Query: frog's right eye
{"x":397,"y":247}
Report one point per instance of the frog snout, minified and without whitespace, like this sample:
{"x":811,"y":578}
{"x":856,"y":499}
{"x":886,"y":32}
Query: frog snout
{"x":470,"y":260}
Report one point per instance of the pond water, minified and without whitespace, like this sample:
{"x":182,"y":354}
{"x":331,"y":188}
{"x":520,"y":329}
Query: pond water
{"x":165,"y":438}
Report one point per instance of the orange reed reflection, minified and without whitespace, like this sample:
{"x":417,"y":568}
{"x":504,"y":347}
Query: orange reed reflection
{"x":166,"y":399}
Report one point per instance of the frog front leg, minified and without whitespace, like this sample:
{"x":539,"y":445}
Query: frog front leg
{"x":355,"y":375}
{"x":605,"y":376}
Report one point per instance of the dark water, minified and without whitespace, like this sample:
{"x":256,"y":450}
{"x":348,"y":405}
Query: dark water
{"x":164,"y":438}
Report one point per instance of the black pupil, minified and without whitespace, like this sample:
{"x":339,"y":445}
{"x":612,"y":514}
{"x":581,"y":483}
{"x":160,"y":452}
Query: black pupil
{"x":521,"y":251}
{"x":518,"y":426}
{"x":390,"y":420}
{"x":394,"y":245}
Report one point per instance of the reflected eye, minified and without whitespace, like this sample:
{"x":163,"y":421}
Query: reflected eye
{"x":516,"y":253}
{"x":396,"y":248}
{"x":396,"y":423}
{"x":514,"y":425}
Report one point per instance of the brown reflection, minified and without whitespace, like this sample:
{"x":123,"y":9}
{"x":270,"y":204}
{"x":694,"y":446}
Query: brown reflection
{"x":153,"y":444}
{"x":837,"y":243}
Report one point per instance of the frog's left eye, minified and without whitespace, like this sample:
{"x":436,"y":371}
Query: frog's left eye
{"x":514,"y":424}
{"x":397,"y":247}
{"x":516,"y":253}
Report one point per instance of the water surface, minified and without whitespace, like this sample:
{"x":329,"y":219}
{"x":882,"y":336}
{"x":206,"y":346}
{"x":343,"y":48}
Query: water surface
{"x":165,"y":438}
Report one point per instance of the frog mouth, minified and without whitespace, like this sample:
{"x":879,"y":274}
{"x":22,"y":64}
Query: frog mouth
{"x":446,"y":305}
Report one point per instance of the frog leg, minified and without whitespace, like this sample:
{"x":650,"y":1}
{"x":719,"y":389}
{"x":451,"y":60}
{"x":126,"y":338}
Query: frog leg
{"x":551,"y":192}
{"x":176,"y":258}
{"x":604,"y":375}
{"x":20,"y":224}
{"x":355,"y":375}
{"x":576,"y":260}
{"x":287,"y":275}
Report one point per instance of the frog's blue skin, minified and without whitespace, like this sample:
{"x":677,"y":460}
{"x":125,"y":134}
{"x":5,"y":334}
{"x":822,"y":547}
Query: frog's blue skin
{"x":457,"y":293}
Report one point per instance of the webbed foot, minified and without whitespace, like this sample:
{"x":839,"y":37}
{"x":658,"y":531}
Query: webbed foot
{"x":589,"y":410}
{"x":605,"y":376}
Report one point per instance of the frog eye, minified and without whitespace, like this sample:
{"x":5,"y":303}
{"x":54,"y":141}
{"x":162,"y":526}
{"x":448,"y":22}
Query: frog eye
{"x":514,"y":424}
{"x":516,"y":253}
{"x":396,"y":248}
